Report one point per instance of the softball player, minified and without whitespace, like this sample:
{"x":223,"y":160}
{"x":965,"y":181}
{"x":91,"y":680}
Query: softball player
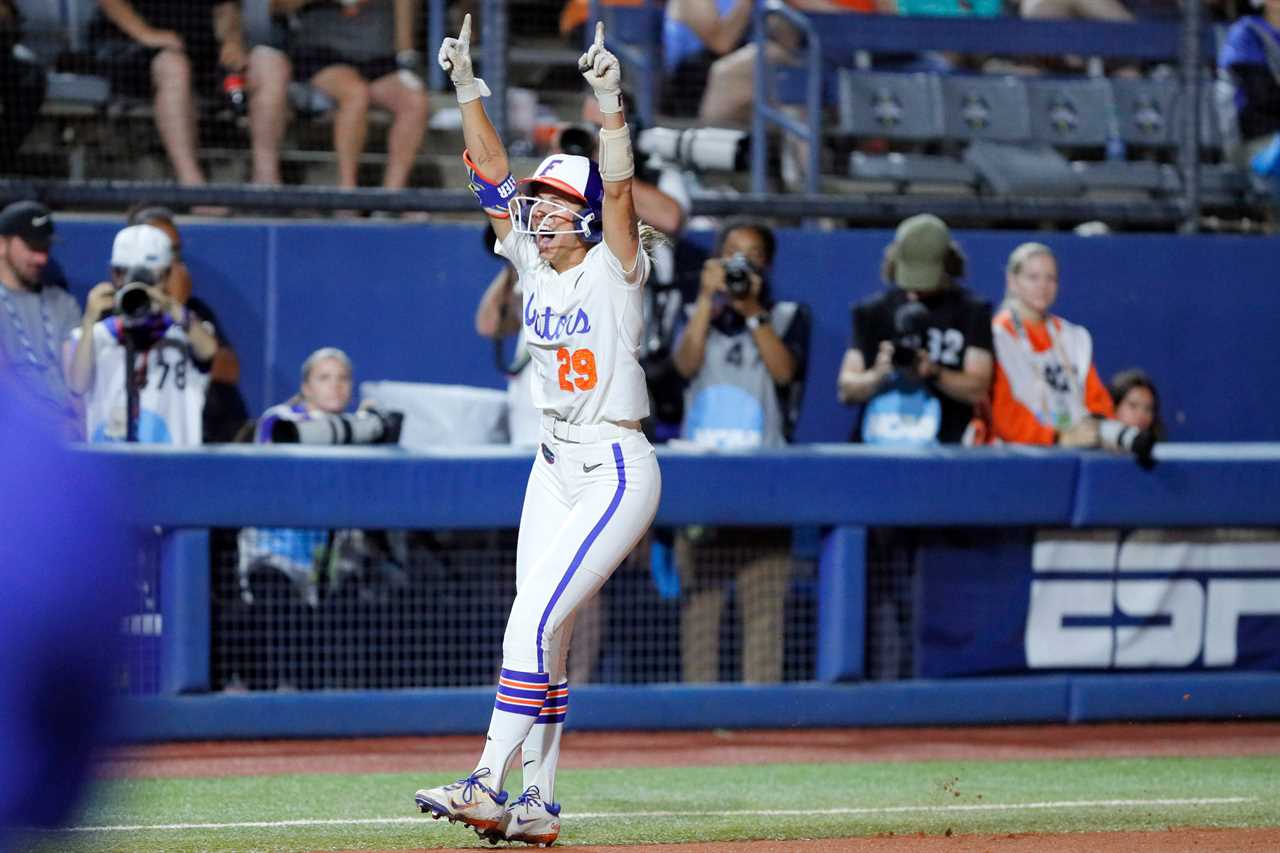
{"x":572,"y":234}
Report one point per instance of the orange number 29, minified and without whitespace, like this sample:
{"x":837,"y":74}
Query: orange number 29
{"x":581,"y":362}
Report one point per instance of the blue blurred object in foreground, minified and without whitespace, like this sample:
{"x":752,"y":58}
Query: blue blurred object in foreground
{"x":63,"y":567}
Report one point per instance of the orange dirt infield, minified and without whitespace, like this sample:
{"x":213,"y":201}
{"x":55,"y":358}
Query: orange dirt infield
{"x":665,"y":749}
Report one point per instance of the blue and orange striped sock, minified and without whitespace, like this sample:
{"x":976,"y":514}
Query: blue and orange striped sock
{"x":541,"y":751}
{"x":517,"y":707}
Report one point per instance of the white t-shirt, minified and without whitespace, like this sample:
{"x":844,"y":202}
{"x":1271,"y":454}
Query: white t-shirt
{"x":583,"y":328}
{"x":171,"y":401}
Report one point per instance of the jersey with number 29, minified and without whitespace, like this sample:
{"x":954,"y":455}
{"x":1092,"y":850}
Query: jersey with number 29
{"x":583,"y":328}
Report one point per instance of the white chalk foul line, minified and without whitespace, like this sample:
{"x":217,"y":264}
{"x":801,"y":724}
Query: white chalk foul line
{"x":573,"y":818}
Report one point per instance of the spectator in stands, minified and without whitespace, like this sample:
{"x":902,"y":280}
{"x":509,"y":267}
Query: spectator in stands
{"x":1250,"y":60}
{"x":744,"y":357}
{"x":224,"y":408}
{"x":36,"y":319}
{"x":921,"y":353}
{"x":22,"y":87}
{"x":1046,"y":389}
{"x":141,"y":358}
{"x":180,"y":49}
{"x":706,"y":57}
{"x":360,"y":52}
{"x":1136,"y":401}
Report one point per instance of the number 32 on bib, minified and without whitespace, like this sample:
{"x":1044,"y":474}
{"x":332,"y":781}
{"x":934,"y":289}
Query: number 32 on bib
{"x":577,"y":369}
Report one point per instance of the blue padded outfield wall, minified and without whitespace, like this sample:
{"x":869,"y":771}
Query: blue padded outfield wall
{"x":1198,"y":313}
{"x":979,"y":598}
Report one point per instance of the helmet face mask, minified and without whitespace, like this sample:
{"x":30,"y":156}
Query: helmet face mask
{"x":549,"y":216}
{"x":545,"y":197}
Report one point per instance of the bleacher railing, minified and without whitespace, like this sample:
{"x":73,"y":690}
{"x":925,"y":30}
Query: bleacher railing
{"x":832,"y":40}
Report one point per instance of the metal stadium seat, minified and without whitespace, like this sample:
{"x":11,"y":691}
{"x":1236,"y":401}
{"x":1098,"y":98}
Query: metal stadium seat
{"x":1070,"y":113}
{"x":1076,"y":113}
{"x":993,"y":115}
{"x":1148,"y":111}
{"x":1137,"y":177}
{"x":905,"y":107}
{"x":49,"y":33}
{"x":993,"y":108}
{"x":1030,"y":169}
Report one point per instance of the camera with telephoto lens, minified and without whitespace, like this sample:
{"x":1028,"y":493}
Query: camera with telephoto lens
{"x":737,"y":275}
{"x":367,"y":426}
{"x":577,"y":139}
{"x":701,"y":148}
{"x":910,"y":322}
{"x":1115,"y":435}
{"x":133,"y":302}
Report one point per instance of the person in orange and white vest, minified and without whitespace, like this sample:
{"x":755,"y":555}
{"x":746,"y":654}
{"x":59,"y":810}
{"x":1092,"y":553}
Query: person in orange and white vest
{"x":1046,"y":388}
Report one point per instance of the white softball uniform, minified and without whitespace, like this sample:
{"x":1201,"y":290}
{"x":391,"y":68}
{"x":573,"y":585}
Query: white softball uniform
{"x":594,"y":486}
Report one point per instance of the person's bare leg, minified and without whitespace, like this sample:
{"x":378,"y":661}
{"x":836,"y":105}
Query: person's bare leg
{"x":408,"y":105}
{"x":726,"y":102}
{"x":350,"y":121}
{"x":268,"y":110}
{"x":176,"y":113}
{"x":1093,"y":10}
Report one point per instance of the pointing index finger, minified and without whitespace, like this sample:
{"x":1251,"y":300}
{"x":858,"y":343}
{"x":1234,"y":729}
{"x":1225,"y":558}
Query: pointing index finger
{"x":600,"y":35}
{"x":465,"y":35}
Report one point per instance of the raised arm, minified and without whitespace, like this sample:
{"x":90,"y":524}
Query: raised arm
{"x":485,"y":156}
{"x":601,"y":70}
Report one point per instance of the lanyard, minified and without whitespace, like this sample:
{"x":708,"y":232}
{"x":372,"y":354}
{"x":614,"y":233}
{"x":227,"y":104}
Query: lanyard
{"x":21,"y":329}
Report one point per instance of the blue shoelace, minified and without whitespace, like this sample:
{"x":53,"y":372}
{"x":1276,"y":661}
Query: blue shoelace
{"x":472,"y":782}
{"x":530,"y":797}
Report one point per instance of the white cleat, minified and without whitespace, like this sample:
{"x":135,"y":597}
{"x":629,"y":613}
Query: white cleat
{"x":531,"y":820}
{"x":468,"y":800}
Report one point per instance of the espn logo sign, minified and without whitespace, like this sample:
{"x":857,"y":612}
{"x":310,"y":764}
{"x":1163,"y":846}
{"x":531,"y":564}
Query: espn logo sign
{"x":1157,"y":600}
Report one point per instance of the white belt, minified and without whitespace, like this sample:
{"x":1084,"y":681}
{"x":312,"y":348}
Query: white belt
{"x":583,"y":433}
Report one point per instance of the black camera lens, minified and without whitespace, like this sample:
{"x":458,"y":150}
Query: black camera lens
{"x":910,"y":323}
{"x":737,"y":275}
{"x":133,"y":302}
{"x":577,"y":140}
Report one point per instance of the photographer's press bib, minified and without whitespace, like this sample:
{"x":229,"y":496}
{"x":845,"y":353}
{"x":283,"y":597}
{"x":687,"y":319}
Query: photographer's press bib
{"x":171,"y":400}
{"x":902,"y":416}
{"x":732,"y":401}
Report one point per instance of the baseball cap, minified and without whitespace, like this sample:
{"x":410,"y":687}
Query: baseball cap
{"x":142,"y":246}
{"x":31,"y":221}
{"x":921,"y":244}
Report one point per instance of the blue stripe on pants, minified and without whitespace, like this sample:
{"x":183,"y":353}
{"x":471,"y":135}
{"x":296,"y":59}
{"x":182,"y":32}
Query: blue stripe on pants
{"x":583,"y":548}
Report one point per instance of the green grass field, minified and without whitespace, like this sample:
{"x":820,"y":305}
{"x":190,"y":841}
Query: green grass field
{"x":375,"y":811}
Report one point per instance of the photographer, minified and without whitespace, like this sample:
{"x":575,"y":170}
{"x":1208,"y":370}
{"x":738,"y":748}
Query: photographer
{"x":736,"y":337}
{"x":311,"y":558}
{"x":921,"y":354}
{"x":1047,"y":389}
{"x":744,"y":359}
{"x":134,"y":320}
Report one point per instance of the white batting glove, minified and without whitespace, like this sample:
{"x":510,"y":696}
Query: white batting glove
{"x":603,"y":73}
{"x":455,"y":58}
